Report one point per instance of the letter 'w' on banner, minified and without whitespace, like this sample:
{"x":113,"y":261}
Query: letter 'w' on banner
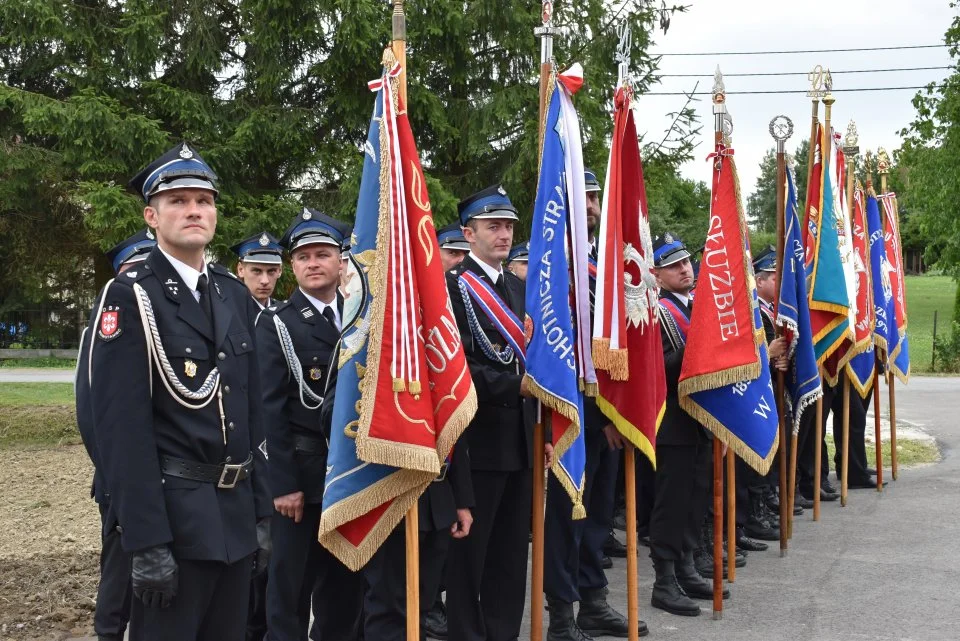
{"x":725,"y":378}
{"x":627,"y":352}
{"x":404,"y":393}
{"x":559,"y":363}
{"x":803,"y":380}
{"x":899,"y":359}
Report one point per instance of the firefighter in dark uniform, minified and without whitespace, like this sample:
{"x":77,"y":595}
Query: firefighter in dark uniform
{"x":259,"y":266}
{"x":487,"y":571}
{"x":573,"y":550}
{"x":453,"y":246}
{"x":517,"y":260}
{"x":112,"y":612}
{"x":175,"y":397}
{"x":295,"y":343}
{"x":683,"y":449}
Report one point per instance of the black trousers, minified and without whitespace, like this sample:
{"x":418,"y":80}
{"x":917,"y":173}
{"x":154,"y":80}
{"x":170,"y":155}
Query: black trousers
{"x":487,"y":571}
{"x":857,"y":460}
{"x":114,"y":592}
{"x":682,"y":498}
{"x":257,"y":609}
{"x":211,"y":605}
{"x":573,"y":550}
{"x":385,"y":604}
{"x":833,"y":402}
{"x":298,"y":564}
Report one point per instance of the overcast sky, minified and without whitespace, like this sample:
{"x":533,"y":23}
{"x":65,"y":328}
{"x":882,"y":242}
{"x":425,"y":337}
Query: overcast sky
{"x":762,"y":25}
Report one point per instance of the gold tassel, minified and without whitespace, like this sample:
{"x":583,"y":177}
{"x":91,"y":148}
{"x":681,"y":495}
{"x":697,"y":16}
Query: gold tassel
{"x":619,"y":366}
{"x":415,"y":387}
{"x":398,"y":385}
{"x":591,"y":389}
{"x":601,"y":353}
{"x":579,"y":512}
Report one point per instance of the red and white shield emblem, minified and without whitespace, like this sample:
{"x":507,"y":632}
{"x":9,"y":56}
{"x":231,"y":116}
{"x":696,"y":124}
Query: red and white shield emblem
{"x":109,"y":323}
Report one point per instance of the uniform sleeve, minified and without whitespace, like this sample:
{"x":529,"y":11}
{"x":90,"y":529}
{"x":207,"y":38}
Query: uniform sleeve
{"x":461,"y":481}
{"x":282,"y":468}
{"x":261,"y":483}
{"x":672,"y":361}
{"x":122,"y":411}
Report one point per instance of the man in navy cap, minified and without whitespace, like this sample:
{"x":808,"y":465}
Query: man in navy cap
{"x":112,"y":612}
{"x":453,"y":246}
{"x":683,"y":449}
{"x":517,"y":260}
{"x":486,"y":571}
{"x":259,"y":266}
{"x":175,"y":404}
{"x":295,"y":342}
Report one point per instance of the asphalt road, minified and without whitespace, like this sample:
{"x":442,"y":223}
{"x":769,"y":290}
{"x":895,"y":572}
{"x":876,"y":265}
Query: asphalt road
{"x":884,"y":568}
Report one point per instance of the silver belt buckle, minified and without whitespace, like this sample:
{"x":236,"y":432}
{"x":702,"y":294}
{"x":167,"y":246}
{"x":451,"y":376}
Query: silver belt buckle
{"x":231,"y":472}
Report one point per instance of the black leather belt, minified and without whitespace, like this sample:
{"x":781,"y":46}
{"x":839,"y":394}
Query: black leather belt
{"x":225,"y":475}
{"x":309,"y":444}
{"x":442,"y":476}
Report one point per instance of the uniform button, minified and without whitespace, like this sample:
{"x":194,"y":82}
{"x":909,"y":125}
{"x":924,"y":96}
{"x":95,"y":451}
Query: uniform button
{"x":231,"y":425}
{"x":226,"y":389}
{"x":314,"y":359}
{"x":189,"y":351}
{"x":243,"y":345}
{"x":229,"y":459}
{"x":119,"y":530}
{"x":222,"y":356}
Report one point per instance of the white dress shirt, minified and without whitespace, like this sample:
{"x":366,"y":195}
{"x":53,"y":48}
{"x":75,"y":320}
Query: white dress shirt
{"x":320,"y":305}
{"x":188,"y":274}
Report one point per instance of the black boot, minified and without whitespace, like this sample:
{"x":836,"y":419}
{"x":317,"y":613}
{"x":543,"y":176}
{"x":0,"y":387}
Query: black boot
{"x":758,"y":526}
{"x":435,"y":621}
{"x":612,"y":547}
{"x":667,"y":593}
{"x":747,"y":544}
{"x":598,"y":619}
{"x":562,"y":626}
{"x":693,"y":582}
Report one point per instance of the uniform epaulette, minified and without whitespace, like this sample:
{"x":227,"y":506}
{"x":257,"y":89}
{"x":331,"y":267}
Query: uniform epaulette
{"x":220,"y":270}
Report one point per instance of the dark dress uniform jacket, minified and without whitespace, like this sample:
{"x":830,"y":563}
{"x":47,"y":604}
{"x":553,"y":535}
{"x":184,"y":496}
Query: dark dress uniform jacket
{"x":677,"y":427}
{"x":500,"y":437}
{"x":137,"y":420}
{"x":314,"y":340}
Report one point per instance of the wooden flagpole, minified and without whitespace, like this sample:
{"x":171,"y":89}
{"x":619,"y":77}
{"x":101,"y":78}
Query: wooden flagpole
{"x":731,"y":516}
{"x":781,"y":128}
{"x":622,"y":58}
{"x":720,"y":120}
{"x":883,"y":167}
{"x":828,"y":101}
{"x":545,"y":32}
{"x":850,"y":151}
{"x":412,"y":520}
{"x":876,"y":368}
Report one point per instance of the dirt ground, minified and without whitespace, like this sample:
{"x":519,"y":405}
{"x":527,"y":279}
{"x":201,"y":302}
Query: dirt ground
{"x":49,"y":554}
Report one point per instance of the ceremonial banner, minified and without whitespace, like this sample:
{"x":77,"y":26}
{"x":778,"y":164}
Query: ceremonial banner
{"x":404,"y":393}
{"x":725,"y":378}
{"x":826,"y":284}
{"x":899,"y":353}
{"x":559,"y":364}
{"x":884,"y":334}
{"x":860,"y":367}
{"x":627,"y":351}
{"x":793,"y":315}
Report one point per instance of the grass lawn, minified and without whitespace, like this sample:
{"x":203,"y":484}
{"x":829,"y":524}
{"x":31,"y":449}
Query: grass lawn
{"x":53,"y":363}
{"x":910,"y":452}
{"x":925,"y":295}
{"x":37,"y":414}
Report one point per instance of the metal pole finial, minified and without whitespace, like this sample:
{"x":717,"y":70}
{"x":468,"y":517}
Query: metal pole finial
{"x":719,"y":93}
{"x":883,"y":161}
{"x":781,"y":128}
{"x":818,"y":78}
{"x":851,"y":140}
{"x":622,"y":54}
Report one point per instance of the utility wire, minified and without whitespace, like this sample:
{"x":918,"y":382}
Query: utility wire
{"x":783,"y":91}
{"x":796,"y":73}
{"x":768,"y":53}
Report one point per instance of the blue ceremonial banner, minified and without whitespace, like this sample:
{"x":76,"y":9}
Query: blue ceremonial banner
{"x":885,"y":333}
{"x":552,"y":352}
{"x":793,"y":314}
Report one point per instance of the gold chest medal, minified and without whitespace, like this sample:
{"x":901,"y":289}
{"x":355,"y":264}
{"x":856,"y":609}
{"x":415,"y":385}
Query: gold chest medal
{"x":315,"y":373}
{"x":190,"y":368}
